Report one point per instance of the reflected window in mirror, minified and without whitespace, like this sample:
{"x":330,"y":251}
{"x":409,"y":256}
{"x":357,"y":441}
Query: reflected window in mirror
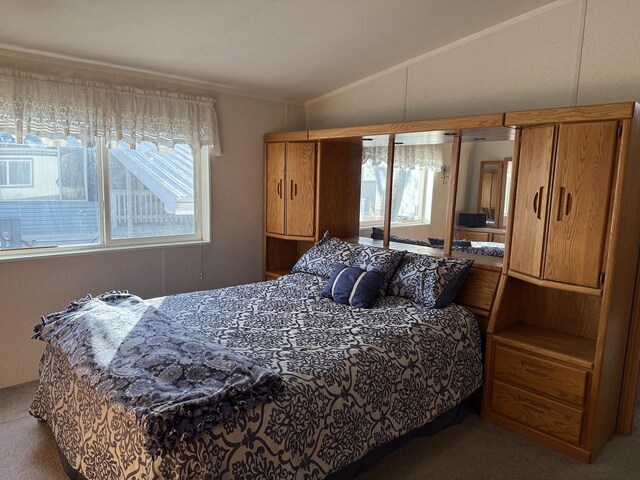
{"x":418,"y":194}
{"x":418,"y":200}
{"x":373,"y":182}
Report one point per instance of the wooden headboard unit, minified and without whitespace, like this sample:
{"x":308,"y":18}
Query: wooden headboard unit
{"x":479,"y":290}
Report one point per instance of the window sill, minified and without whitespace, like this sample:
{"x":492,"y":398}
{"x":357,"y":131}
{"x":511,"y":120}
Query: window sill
{"x":48,"y":252}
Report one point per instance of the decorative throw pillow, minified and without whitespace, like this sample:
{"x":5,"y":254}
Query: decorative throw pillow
{"x":353,"y":286}
{"x":322,"y":258}
{"x":385,"y":261}
{"x":434,"y":282}
{"x":454,"y":271}
{"x":377,"y":233}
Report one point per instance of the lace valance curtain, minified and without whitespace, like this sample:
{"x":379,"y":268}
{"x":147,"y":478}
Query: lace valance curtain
{"x":406,"y":156}
{"x":56,"y":108}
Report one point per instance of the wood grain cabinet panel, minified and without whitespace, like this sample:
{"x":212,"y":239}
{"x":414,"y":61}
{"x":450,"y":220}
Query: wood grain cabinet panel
{"x":300,"y":189}
{"x":528,"y":235}
{"x":544,"y":415}
{"x":580,"y":206}
{"x":472,"y":236}
{"x":499,"y":237}
{"x":550,"y":378}
{"x":290,"y":188}
{"x":275,"y":187}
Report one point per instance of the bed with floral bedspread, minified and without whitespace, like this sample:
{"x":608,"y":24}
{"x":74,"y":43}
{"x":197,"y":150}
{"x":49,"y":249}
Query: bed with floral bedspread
{"x":354,"y":379}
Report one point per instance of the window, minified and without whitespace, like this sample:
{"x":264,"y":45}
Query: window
{"x":413,"y":191}
{"x":59,"y":194}
{"x":15,"y":172}
{"x":372,"y":193}
{"x":412,"y":194}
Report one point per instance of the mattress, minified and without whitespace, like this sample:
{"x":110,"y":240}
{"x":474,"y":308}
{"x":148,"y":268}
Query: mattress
{"x":354,"y":379}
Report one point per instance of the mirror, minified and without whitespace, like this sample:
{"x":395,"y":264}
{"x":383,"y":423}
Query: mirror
{"x":419,"y":188}
{"x":482,"y":198}
{"x":491,"y":192}
{"x":373,"y":183}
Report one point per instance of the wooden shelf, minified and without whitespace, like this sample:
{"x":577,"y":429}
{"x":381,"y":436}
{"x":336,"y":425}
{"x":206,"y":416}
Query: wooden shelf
{"x":550,"y":343}
{"x":289,"y":237}
{"x":277,"y":273}
{"x":597,"y":292}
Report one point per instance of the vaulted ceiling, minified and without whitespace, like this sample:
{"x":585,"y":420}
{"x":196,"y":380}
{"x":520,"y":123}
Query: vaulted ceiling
{"x":292,"y":50}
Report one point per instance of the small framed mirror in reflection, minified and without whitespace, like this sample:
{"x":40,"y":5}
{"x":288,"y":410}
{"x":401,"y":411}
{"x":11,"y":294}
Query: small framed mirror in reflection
{"x":482,"y":197}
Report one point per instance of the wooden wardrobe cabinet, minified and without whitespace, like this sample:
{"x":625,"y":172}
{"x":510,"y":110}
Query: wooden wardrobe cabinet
{"x":563,"y":201}
{"x":557,"y":335}
{"x":290,"y":188}
{"x":310,"y":188}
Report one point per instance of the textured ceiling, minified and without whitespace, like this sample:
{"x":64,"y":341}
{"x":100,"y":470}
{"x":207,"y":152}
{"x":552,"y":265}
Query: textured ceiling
{"x":286,"y":49}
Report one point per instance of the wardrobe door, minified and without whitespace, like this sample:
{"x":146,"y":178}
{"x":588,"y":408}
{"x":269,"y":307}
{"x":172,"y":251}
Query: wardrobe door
{"x":580,"y":205}
{"x":300,"y":188}
{"x":530,"y":212}
{"x":275,"y":187}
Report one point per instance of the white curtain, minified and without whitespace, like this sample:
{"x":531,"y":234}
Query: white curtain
{"x":407,"y":156}
{"x":56,"y":108}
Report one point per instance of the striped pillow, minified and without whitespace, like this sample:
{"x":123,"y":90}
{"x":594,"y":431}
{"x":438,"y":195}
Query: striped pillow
{"x":353,"y":286}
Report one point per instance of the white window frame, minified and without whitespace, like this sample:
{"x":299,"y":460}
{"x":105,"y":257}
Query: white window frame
{"x":423,"y":204}
{"x":202,"y":219}
{"x":8,"y":170}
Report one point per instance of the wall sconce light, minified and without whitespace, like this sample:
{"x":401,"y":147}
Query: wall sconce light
{"x":445,"y":172}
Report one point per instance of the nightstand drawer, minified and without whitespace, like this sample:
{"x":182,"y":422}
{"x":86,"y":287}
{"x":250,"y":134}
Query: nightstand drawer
{"x":544,"y":415}
{"x":549,"y":378}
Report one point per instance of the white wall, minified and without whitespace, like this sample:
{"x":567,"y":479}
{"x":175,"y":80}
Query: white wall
{"x":567,"y":53}
{"x":31,"y":288}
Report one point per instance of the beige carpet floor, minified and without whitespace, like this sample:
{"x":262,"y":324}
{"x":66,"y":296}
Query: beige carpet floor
{"x":473,"y":450}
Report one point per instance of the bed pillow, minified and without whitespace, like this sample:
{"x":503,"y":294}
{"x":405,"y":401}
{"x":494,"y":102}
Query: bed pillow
{"x":322,"y":258}
{"x":439,"y":242}
{"x":378,"y":234}
{"x":353,"y":286}
{"x":434,"y":282}
{"x":454,"y":271}
{"x":385,"y":261}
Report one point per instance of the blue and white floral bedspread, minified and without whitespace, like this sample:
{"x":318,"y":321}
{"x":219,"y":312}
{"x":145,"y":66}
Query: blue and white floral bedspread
{"x":175,"y":381}
{"x":353,"y":379}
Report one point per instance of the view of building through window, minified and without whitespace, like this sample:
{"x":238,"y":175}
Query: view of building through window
{"x":151,"y":191}
{"x":50,"y":193}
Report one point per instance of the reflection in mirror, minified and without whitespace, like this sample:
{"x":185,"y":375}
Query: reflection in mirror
{"x":482,"y":199}
{"x":420,"y":187}
{"x":490,"y":192}
{"x":373,"y":183}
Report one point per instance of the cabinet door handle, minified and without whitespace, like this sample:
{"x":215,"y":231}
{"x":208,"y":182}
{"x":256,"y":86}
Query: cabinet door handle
{"x":295,"y":189}
{"x":541,"y":192}
{"x":535,"y":203}
{"x":569,"y":204}
{"x":561,"y":203}
{"x":279,"y":188}
{"x":291,"y":189}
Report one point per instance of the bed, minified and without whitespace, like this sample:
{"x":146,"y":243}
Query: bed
{"x":492,"y":249}
{"x":354,"y":381}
